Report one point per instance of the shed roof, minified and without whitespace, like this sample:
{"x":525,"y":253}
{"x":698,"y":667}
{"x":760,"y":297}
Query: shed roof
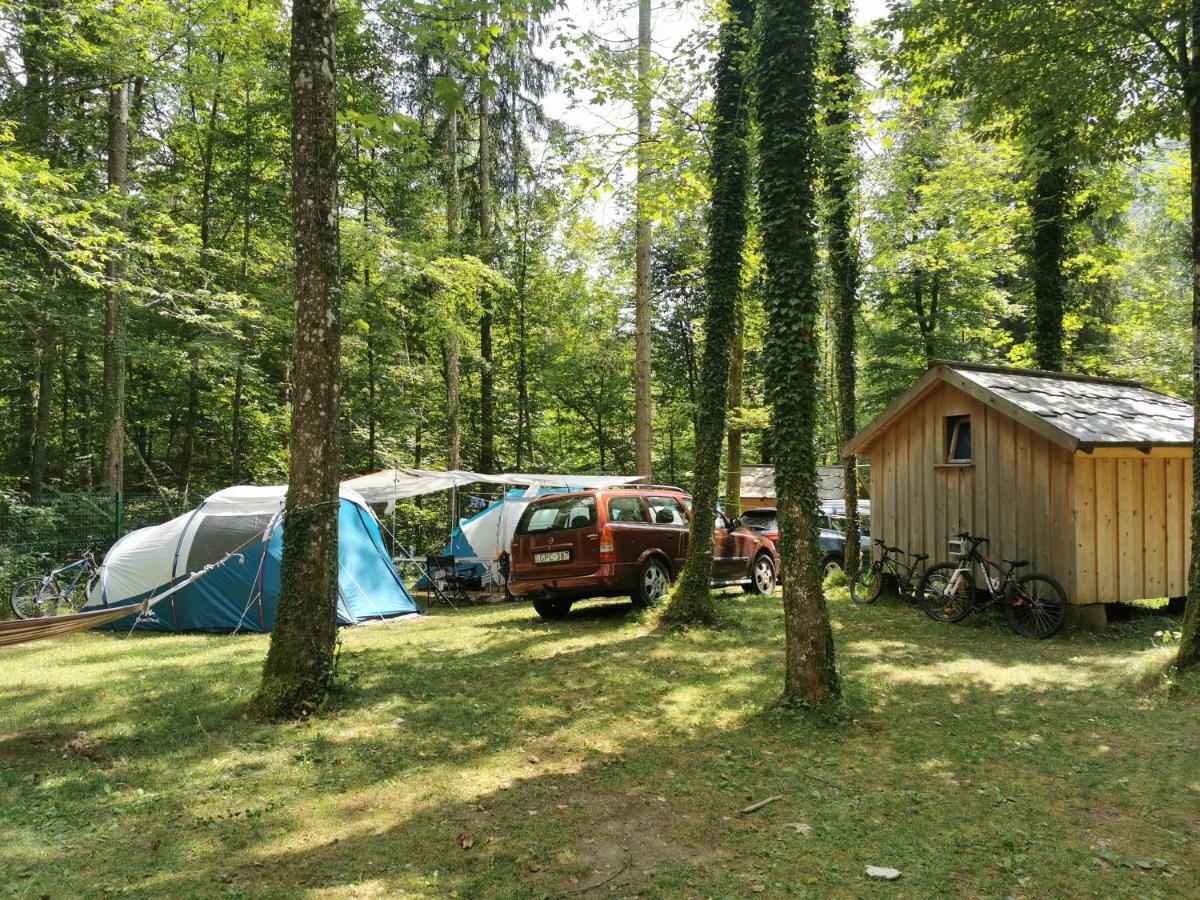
{"x":758,"y":482}
{"x":1077,"y":411}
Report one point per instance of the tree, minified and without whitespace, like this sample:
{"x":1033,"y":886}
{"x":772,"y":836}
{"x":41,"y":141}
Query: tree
{"x":643,"y":299}
{"x":840,"y":171}
{"x":785,"y":81}
{"x":691,"y":600}
{"x":300,"y":661}
{"x":114,"y":307}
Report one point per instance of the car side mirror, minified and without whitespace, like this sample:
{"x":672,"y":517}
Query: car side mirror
{"x":735,"y":524}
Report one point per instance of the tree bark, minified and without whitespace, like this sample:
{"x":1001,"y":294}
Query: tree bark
{"x":643,"y":308}
{"x":300,"y":662}
{"x":453,"y":425}
{"x":487,"y":425}
{"x":841,"y":179}
{"x":1189,"y":645}
{"x":786,"y":106}
{"x":691,"y":601}
{"x":114,"y":309}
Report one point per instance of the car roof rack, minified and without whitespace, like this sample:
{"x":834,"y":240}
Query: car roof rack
{"x":654,"y":487}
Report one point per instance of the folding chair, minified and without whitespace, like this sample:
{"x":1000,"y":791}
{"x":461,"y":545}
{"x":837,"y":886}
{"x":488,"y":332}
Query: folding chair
{"x":448,"y":586}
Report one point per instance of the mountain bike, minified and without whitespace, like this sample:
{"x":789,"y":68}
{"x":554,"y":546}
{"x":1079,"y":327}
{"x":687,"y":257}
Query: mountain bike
{"x":1035,"y":604}
{"x":867,"y":584}
{"x":63,"y":589}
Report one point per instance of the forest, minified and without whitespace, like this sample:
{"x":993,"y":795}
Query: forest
{"x":489,"y":241}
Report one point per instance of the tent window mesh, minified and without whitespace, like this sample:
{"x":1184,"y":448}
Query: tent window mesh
{"x":217,"y":536}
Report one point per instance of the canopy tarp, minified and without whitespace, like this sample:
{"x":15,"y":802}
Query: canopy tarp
{"x":401,"y":483}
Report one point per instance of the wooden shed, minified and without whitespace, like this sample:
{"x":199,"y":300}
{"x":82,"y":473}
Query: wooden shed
{"x":1090,"y":479}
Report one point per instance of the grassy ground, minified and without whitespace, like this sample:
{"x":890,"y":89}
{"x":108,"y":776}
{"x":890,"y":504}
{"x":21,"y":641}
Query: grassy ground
{"x":484,"y":753}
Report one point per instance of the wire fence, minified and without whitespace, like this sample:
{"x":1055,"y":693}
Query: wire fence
{"x":38,"y":533}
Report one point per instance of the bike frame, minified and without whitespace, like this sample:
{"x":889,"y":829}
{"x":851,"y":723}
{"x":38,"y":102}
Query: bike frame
{"x":85,"y":566}
{"x":906,"y":581}
{"x":995,"y":585}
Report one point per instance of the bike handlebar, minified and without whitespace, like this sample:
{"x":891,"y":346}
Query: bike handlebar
{"x":967,"y":536}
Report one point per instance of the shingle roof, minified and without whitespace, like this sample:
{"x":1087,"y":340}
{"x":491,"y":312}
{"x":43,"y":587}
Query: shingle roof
{"x":759,"y":481}
{"x":1093,"y":411}
{"x":1075,"y":411}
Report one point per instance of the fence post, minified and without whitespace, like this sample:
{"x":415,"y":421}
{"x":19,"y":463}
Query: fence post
{"x":118,"y":516}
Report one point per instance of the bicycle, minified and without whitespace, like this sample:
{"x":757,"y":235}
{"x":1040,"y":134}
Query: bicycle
{"x":44,"y":595}
{"x":867,"y":584}
{"x":1035,"y":604}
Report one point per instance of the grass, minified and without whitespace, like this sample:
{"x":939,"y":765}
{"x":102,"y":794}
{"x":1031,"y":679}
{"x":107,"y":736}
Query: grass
{"x":597,"y":757}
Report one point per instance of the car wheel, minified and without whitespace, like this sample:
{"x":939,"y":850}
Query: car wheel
{"x":831,"y":566}
{"x":762,"y":577}
{"x":653,"y":581}
{"x":552,"y":607}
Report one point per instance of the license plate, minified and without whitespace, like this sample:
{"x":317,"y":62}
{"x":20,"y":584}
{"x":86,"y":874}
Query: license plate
{"x":552,"y":556}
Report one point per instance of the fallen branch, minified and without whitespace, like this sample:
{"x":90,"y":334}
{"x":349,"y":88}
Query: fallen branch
{"x":755,"y":807}
{"x":592,"y":887}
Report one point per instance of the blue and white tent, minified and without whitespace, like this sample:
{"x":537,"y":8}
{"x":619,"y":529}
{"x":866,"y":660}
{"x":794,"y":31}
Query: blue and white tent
{"x":241,"y":592}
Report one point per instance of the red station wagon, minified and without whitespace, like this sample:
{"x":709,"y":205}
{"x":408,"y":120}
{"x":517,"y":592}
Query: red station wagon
{"x":624,"y":542}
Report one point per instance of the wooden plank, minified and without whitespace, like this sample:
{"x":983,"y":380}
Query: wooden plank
{"x":1039,"y":503}
{"x":1107,"y":562}
{"x":1024,"y":527}
{"x":1176,"y":528}
{"x":928,"y":415}
{"x":1060,"y":498}
{"x":995,"y":476}
{"x":1085,"y":530}
{"x":1186,"y":527}
{"x":1007,"y":476}
{"x":1154,"y":557}
{"x":1131,"y":585}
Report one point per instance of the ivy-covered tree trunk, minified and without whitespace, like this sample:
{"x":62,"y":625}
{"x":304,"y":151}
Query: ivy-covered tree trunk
{"x":113,"y":407}
{"x":1189,"y":644}
{"x":643,"y":401}
{"x":841,"y":180}
{"x":691,"y":600}
{"x":737,"y":365}
{"x":1049,"y":205}
{"x":300,"y":661}
{"x":786,"y":94}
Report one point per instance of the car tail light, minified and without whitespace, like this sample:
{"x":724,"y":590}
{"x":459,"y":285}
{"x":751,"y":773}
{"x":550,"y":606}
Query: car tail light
{"x":607,"y":553}
{"x":772,"y":536}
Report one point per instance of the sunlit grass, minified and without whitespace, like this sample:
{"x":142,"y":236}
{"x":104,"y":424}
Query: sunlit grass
{"x":565,"y":754}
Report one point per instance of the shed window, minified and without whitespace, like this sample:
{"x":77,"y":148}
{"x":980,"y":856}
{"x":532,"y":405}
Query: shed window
{"x":958,"y":439}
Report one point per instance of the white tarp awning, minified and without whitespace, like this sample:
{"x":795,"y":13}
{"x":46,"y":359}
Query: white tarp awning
{"x":395,"y":484}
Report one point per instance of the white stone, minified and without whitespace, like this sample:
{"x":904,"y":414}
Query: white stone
{"x":887,"y":874}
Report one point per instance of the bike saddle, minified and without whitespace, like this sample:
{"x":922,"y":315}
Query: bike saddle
{"x":919,"y":556}
{"x":1017,"y":563}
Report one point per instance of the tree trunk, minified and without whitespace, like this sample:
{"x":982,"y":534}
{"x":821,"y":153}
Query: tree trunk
{"x":786,"y":94}
{"x":487,"y":425}
{"x":841,"y":178}
{"x":114,"y":308}
{"x":235,"y":449}
{"x":453,"y":370}
{"x":83,"y":403}
{"x":48,"y":341}
{"x":1049,"y":209}
{"x":1189,"y":644}
{"x":691,"y":601}
{"x":643,"y":310}
{"x":300,"y":662}
{"x":733,"y":474}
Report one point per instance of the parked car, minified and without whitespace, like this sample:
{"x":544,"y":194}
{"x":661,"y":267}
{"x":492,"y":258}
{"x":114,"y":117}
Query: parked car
{"x":831,"y":533}
{"x":618,"y":542}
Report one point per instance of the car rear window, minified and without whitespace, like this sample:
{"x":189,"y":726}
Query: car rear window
{"x":626,"y":509}
{"x":765,"y":520}
{"x":561,"y":514}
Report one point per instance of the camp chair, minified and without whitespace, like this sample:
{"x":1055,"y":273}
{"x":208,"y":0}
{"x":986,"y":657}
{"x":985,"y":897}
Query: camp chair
{"x":448,"y":586}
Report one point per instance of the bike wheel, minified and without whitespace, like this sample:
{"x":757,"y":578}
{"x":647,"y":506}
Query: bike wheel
{"x":938,"y":600}
{"x":1036,"y":606}
{"x":32,"y":598}
{"x":867,"y":584}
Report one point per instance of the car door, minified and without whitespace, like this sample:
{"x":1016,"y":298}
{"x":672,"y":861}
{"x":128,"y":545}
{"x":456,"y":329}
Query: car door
{"x":670,"y":521}
{"x":724,"y":549}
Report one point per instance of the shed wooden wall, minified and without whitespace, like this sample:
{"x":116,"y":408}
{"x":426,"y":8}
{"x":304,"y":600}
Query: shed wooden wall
{"x":1132,"y":524}
{"x":1019,"y":491}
